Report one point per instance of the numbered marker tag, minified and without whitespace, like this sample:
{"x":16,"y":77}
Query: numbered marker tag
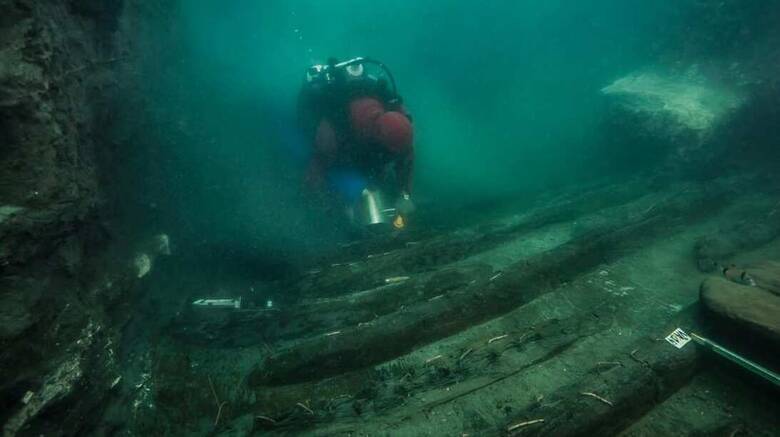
{"x":678,"y":338}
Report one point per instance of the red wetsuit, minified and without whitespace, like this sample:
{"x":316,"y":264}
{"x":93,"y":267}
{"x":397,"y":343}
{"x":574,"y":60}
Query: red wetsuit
{"x":360,"y":126}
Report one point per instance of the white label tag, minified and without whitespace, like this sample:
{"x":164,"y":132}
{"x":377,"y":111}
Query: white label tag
{"x":678,"y":338}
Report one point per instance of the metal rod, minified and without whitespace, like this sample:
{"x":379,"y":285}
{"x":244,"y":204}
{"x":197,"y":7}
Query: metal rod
{"x":756,"y":369}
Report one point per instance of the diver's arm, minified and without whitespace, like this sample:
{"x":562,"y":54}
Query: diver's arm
{"x":325,"y":148}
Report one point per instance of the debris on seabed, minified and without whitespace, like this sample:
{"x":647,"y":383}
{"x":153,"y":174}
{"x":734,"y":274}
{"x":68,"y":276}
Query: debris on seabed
{"x":465,"y":354}
{"x":218,"y":303}
{"x":632,"y":354}
{"x":266,"y":418}
{"x":432,"y":359}
{"x":329,"y":334}
{"x":496,"y":276}
{"x":302,"y":405}
{"x":116,"y":381}
{"x":594,"y":395}
{"x":27,"y":397}
{"x":377,"y":255}
{"x":522,"y":424}
{"x":396,"y":279}
{"x":143,"y":264}
{"x":345,"y":264}
{"x":500,"y":337}
{"x":163,"y":244}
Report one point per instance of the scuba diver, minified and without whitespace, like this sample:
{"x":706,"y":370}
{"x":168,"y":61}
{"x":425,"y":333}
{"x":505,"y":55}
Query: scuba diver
{"x":361,"y":136}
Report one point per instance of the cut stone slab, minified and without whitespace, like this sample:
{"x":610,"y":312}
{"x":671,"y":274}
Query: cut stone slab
{"x":752,"y":307}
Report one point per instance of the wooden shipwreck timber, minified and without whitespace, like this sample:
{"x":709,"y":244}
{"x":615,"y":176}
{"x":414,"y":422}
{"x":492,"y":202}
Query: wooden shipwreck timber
{"x":547,"y":323}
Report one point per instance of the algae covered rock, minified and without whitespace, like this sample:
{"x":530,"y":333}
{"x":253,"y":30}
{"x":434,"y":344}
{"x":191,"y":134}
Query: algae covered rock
{"x":676,"y":110}
{"x":688,"y":99}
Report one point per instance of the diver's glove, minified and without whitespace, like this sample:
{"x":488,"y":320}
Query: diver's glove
{"x":404,"y":206}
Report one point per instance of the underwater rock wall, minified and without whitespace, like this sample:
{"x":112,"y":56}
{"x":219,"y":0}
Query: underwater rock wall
{"x":57,"y":76}
{"x":712,"y":95}
{"x":683,"y":110}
